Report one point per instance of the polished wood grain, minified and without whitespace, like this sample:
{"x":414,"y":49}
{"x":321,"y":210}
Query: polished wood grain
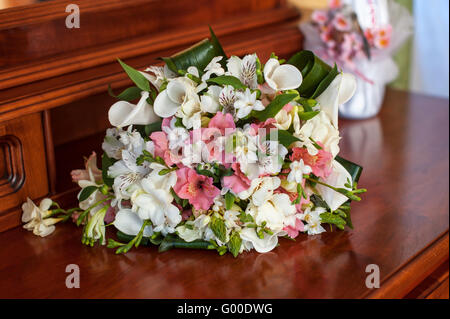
{"x":401,"y":225}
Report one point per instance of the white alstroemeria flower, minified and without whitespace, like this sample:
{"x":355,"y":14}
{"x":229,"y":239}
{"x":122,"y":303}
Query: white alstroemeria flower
{"x":246,"y":102}
{"x":209,"y":101}
{"x":298,"y":169}
{"x":213,"y":67}
{"x":341,"y":89}
{"x":261,"y":189}
{"x":312,"y":217}
{"x":282,"y":77}
{"x":128,"y":222}
{"x":156,"y":180}
{"x":244,"y":69}
{"x":231,"y":218}
{"x":179,"y":91}
{"x":251,"y":240}
{"x":127,"y":174}
{"x":227,"y":97}
{"x":112,"y":145}
{"x":158,"y":75}
{"x":338,"y":178}
{"x":35,"y":217}
{"x":176,"y":136}
{"x":195,"y":229}
{"x":245,"y":151}
{"x":284,"y":120}
{"x":124,"y":113}
{"x":271,"y":157}
{"x":320,"y":129}
{"x":195,"y":153}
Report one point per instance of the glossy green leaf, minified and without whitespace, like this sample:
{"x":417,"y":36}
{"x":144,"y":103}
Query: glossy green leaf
{"x":86,"y":192}
{"x":317,"y":75}
{"x":198,"y":55}
{"x":305,"y":116}
{"x":138,"y":79}
{"x":127,"y":238}
{"x":106,"y":163}
{"x":130,"y":94}
{"x":172,"y":241}
{"x":274,"y":107}
{"x":354,"y":169}
{"x":217,"y":225}
{"x":229,"y":200}
{"x":227,"y":80}
{"x":284,"y":137}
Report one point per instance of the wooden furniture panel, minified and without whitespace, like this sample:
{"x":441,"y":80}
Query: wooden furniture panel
{"x":401,"y":226}
{"x":24,"y":171}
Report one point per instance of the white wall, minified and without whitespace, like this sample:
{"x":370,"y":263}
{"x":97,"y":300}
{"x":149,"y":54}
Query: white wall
{"x":430,"y":62}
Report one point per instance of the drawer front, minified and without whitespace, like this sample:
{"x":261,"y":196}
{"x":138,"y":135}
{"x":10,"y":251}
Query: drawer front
{"x":23,"y":169}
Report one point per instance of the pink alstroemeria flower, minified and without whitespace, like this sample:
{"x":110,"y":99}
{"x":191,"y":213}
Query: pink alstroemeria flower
{"x":341,"y":23}
{"x":90,"y":173}
{"x":162,"y":148}
{"x":294,"y":231}
{"x":319,"y":163}
{"x":319,"y":16}
{"x":237,"y":182}
{"x":334,"y":4}
{"x":196,"y":188}
{"x":224,"y":122}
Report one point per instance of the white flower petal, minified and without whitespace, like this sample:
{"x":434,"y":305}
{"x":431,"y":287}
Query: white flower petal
{"x":164,"y":106}
{"x":287,"y":77}
{"x":261,"y":245}
{"x":129,"y":223}
{"x":337,"y":178}
{"x":123,"y":113}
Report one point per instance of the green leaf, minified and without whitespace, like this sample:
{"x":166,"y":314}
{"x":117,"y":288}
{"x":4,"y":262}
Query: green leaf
{"x":86,"y":192}
{"x":154,"y":127}
{"x":127,"y":238}
{"x":217,"y":225}
{"x":228,"y":80}
{"x":172,"y":241}
{"x":140,"y":80}
{"x":106,"y":163}
{"x":317,"y":75}
{"x":334,"y":219}
{"x":284,"y":137}
{"x":246,"y":218}
{"x":354,"y":169}
{"x":198,"y":55}
{"x":234,"y":245}
{"x":130,"y":94}
{"x":305,"y":116}
{"x":229,"y":200}
{"x":274,"y":107}
{"x":326,"y":82}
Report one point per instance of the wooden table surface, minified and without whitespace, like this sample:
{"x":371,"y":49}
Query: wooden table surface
{"x":401,"y":225}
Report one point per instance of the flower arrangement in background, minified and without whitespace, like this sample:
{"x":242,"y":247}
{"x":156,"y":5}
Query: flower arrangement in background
{"x":218,"y":153}
{"x":361,"y":36}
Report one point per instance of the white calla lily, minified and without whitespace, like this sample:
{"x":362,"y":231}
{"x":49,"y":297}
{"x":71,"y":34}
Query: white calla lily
{"x":128,"y":222}
{"x":337,"y":93}
{"x":123,"y":113}
{"x":338,"y":178}
{"x":282,"y":77}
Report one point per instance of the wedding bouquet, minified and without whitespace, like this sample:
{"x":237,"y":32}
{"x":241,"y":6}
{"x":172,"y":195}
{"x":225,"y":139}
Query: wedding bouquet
{"x":218,"y":153}
{"x":361,"y":37}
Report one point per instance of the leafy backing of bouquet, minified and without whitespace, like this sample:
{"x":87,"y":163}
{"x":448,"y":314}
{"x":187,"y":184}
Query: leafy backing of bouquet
{"x":155,"y":197}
